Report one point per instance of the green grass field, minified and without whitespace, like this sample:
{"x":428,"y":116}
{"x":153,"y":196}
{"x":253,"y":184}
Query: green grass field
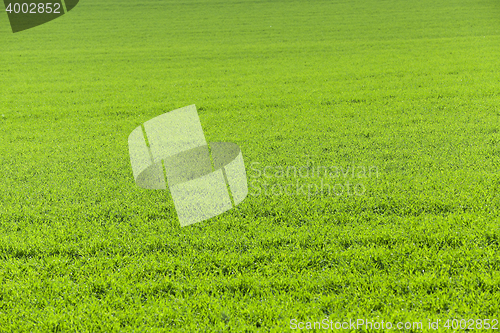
{"x":408,"y":90}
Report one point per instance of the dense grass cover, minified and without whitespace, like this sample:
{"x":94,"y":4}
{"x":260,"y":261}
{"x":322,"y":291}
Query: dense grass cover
{"x":400,"y":99}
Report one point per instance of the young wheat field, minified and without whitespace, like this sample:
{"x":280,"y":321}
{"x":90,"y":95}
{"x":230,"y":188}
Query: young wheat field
{"x":370,"y":132}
